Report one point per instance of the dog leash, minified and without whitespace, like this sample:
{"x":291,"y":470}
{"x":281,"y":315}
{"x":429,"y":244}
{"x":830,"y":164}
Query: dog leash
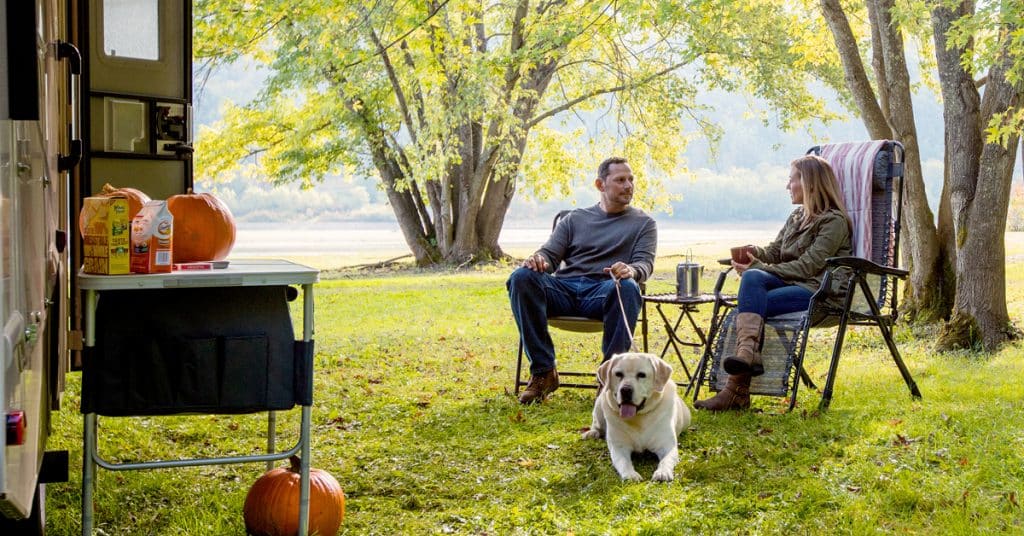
{"x":625,"y":319}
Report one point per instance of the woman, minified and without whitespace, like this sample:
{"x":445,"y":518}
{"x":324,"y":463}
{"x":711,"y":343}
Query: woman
{"x":781,"y":277}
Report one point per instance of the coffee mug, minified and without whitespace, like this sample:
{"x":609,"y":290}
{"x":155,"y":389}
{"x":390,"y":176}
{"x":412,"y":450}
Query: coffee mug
{"x":742,"y":254}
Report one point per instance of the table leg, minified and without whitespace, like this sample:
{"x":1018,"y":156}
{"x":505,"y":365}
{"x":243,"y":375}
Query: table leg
{"x":88,"y":471}
{"x":306,"y":463}
{"x":89,"y":426}
{"x":271,"y":436}
{"x":671,"y":329}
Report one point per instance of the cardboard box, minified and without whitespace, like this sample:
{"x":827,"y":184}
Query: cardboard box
{"x":106,"y":233}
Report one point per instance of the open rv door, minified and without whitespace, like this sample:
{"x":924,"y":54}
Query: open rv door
{"x":137,"y":115}
{"x":137,"y":103}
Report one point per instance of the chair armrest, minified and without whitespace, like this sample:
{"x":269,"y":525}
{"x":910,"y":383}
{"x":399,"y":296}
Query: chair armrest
{"x":864,"y":265}
{"x":721,"y":280}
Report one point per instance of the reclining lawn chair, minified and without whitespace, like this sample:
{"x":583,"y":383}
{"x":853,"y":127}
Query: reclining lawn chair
{"x":576,"y":324}
{"x":871,"y":178}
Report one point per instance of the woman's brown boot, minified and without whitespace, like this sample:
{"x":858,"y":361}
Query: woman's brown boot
{"x":735,"y":395}
{"x":747,"y":357}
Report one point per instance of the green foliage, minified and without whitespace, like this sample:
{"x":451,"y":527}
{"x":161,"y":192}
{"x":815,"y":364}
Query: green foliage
{"x":994,"y":36}
{"x":356,"y":81}
{"x":413,"y":414}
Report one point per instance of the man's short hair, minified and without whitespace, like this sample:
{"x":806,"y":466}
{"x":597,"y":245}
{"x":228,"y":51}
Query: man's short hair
{"x":602,"y":170}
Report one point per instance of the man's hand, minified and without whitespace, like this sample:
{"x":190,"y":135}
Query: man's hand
{"x":620,"y":270}
{"x":536,"y":262}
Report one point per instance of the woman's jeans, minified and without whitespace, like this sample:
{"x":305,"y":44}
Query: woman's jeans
{"x":537,"y":296}
{"x":767,"y":295}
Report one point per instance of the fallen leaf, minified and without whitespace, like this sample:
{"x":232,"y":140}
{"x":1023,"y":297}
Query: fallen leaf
{"x":901,"y":441}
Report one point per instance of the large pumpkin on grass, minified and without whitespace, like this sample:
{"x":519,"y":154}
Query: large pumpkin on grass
{"x":272,"y":504}
{"x":136,"y":199}
{"x":204,"y":229}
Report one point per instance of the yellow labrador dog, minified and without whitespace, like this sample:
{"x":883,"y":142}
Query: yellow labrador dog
{"x":639,"y":409}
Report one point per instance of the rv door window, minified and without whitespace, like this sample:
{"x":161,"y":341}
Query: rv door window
{"x":131,"y":29}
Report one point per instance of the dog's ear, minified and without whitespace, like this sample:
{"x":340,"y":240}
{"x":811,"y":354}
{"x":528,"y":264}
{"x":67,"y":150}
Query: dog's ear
{"x":604,"y":370}
{"x":662,"y":372}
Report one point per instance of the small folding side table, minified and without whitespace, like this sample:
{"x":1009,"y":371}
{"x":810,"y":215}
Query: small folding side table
{"x":687,"y":305}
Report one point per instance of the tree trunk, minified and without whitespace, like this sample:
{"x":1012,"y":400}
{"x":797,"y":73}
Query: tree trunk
{"x":979,"y":175}
{"x":926,"y":296}
{"x":853,"y":69}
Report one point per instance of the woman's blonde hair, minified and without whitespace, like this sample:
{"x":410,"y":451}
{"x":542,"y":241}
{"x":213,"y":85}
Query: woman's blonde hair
{"x":821,"y":189}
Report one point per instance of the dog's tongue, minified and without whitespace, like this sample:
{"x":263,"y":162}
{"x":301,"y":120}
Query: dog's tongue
{"x":627,"y":410}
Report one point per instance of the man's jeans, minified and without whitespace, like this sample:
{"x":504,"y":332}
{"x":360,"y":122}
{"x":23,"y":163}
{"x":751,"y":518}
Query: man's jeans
{"x":536,"y":296}
{"x":767,"y":295}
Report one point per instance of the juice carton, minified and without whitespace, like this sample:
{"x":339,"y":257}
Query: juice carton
{"x":152,"y":230}
{"x":105,"y":234}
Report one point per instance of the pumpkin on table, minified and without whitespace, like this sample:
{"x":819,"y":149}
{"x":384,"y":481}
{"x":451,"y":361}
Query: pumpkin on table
{"x":136,"y":200}
{"x":204,"y":229}
{"x":272,"y":504}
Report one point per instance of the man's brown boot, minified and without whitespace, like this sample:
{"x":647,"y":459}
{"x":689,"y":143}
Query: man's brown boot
{"x":540,"y":386}
{"x":735,"y":395}
{"x":748,"y":344}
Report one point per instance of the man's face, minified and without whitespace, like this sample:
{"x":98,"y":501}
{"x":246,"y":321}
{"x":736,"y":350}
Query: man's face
{"x":617,"y":188}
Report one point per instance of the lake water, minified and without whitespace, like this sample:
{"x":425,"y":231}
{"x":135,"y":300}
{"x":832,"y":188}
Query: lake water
{"x":368,"y":239}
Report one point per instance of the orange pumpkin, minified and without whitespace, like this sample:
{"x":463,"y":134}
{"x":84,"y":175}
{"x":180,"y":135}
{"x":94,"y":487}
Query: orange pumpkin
{"x":272,"y":504}
{"x":136,"y":198}
{"x":204,"y":229}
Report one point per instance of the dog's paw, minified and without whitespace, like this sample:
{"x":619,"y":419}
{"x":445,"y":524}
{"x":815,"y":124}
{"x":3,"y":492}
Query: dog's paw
{"x":663,"y":475}
{"x":593,"y":433}
{"x":632,"y":477}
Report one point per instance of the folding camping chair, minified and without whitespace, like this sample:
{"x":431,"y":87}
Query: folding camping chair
{"x":576,"y":324}
{"x":875,"y":167}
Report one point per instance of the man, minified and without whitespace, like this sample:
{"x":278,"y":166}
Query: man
{"x":575,"y":271}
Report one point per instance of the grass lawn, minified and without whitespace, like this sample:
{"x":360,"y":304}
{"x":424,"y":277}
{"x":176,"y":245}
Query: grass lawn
{"x":415,"y":418}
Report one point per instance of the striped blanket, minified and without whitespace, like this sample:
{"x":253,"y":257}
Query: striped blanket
{"x":853,"y":164}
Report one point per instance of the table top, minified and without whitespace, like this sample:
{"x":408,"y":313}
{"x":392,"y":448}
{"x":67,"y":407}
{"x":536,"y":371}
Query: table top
{"x":238,"y":273}
{"x":672,"y":297}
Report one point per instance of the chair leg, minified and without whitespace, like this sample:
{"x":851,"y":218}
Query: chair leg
{"x":798,"y":361}
{"x":701,"y":372}
{"x":887,"y":335}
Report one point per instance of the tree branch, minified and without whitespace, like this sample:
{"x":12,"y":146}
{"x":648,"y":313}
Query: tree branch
{"x":396,"y":86}
{"x":603,"y":91}
{"x":853,"y":69}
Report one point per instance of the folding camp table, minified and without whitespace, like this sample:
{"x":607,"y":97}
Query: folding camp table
{"x":197,"y":342}
{"x":687,"y":306}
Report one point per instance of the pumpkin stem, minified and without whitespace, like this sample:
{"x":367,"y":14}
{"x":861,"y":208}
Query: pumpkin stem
{"x":189,"y":191}
{"x":296,"y":464}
